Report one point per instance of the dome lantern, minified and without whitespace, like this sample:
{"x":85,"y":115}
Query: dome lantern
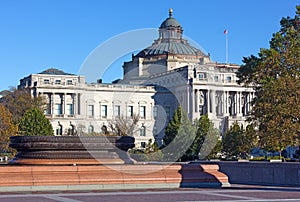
{"x":170,"y":28}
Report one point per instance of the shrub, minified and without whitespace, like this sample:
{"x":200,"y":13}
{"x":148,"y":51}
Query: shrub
{"x":34,"y":123}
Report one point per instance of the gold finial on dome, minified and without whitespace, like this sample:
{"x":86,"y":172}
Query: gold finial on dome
{"x":170,"y":12}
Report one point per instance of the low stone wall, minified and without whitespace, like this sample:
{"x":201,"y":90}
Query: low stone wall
{"x":262,"y":173}
{"x":99,"y":177}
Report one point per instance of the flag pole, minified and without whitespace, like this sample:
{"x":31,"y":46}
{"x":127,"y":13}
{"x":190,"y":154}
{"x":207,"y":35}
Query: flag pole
{"x":226,"y":44}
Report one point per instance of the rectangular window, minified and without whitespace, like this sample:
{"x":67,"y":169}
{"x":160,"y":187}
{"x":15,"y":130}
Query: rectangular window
{"x":202,"y":76}
{"x":103,"y":111}
{"x":155,"y":112}
{"x":90,"y":110}
{"x":228,"y":79}
{"x":57,"y":81}
{"x":143,"y":131}
{"x":69,"y":109}
{"x":46,"y":81}
{"x":168,"y":112}
{"x":69,"y":82}
{"x":154,"y":130}
{"x":216,"y":78}
{"x":143,"y":145}
{"x":130,"y":111}
{"x":117,"y":110}
{"x":58,"y":109}
{"x":142,"y":112}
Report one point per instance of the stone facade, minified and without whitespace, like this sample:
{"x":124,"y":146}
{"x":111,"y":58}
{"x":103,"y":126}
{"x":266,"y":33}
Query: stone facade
{"x":205,"y":89}
{"x":155,"y":82}
{"x":186,"y":76}
{"x":72,"y":104}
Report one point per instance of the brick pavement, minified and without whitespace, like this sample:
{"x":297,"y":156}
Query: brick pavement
{"x":237,"y":193}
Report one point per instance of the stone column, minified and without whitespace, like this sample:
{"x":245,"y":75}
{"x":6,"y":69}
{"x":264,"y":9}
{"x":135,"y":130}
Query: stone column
{"x":235,"y":103}
{"x":63,"y":104}
{"x":220,"y":103}
{"x":239,"y":104}
{"x":243,"y":108}
{"x":188,"y":103}
{"x":192,"y":102}
{"x":242,"y":103}
{"x":251,"y":99}
{"x":248,"y":102}
{"x":213,"y":102}
{"x":52,"y":104}
{"x":74,"y":96}
{"x":151,"y":108}
{"x":78,"y":104}
{"x":208,"y":101}
{"x":226,"y":104}
{"x":197,"y":101}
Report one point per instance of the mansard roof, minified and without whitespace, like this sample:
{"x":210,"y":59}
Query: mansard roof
{"x":54,"y":71}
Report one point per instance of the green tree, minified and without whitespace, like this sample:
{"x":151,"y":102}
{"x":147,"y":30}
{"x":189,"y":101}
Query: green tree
{"x":173,"y":127}
{"x":34,"y":123}
{"x":179,"y":135}
{"x":7,"y":129}
{"x":232,"y":141}
{"x":238,"y":142}
{"x":210,"y":145}
{"x":18,"y":101}
{"x":274,"y":75}
{"x":249,"y":140}
{"x":206,"y":138}
{"x":217,"y":151}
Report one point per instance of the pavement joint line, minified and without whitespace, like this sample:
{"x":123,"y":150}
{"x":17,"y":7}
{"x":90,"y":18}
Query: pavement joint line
{"x":142,"y":192}
{"x":63,"y":197}
{"x":264,"y":189}
{"x":258,"y":200}
{"x":59,"y":198}
{"x":147,"y":192}
{"x":231,"y":196}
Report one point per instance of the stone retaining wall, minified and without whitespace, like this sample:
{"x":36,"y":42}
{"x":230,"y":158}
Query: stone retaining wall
{"x":86,"y":177}
{"x":262,"y":173}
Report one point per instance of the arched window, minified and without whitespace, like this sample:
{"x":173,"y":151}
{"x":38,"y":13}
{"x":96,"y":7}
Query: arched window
{"x":90,"y":129}
{"x":143,"y":131}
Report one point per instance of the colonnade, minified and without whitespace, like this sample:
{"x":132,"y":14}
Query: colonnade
{"x":223,"y":102}
{"x":62,"y":102}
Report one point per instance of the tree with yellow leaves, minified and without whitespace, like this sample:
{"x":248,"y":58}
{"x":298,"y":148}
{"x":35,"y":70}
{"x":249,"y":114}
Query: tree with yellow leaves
{"x":7,"y":129}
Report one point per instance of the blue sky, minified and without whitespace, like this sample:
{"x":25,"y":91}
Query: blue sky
{"x":39,"y":34}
